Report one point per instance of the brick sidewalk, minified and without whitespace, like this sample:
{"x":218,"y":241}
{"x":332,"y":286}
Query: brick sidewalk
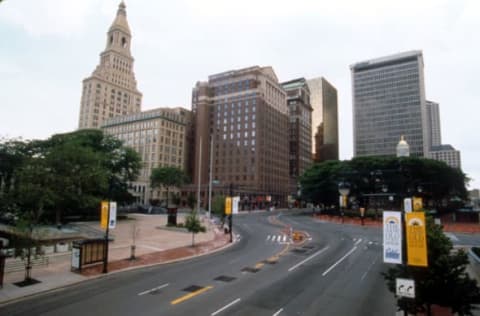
{"x":165,"y":256}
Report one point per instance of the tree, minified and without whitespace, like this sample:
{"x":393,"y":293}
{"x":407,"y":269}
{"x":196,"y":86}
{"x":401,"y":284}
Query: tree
{"x":444,"y":282}
{"x":85,"y":167}
{"x":400,"y":175}
{"x":218,"y":205}
{"x":32,"y":195}
{"x":168,"y":177}
{"x":193,"y":225}
{"x":191,"y":201}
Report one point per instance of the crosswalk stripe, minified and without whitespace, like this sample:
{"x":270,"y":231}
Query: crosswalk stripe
{"x":268,"y":237}
{"x":284,"y":238}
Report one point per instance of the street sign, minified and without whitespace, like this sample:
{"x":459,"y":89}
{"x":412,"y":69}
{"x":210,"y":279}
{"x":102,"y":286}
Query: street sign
{"x":112,"y":221}
{"x":392,"y":237}
{"x":405,"y":288}
{"x":417,"y":204}
{"x":235,"y":201}
{"x":407,"y":205}
{"x":228,"y":205}
{"x":416,"y":239}
{"x":104,"y":214}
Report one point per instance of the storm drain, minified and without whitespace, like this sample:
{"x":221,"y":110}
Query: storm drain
{"x":224,"y":278}
{"x":308,"y":247}
{"x":250,"y":269}
{"x":299,"y":250}
{"x":271,"y":261}
{"x":192,"y":288}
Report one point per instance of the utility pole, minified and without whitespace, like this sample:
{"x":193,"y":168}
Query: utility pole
{"x":230,"y":217}
{"x":210,"y":180}
{"x":105,"y":257}
{"x":199,"y":175}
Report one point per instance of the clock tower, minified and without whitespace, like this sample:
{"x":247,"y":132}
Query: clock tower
{"x":111,"y":90}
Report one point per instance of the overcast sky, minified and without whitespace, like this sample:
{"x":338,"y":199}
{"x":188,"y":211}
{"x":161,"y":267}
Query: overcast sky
{"x":48,"y":47}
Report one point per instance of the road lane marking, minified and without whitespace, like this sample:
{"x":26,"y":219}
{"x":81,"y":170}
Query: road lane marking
{"x":278,"y":312}
{"x":358,"y":241}
{"x":225,"y":307}
{"x":190,"y":295}
{"x":153,"y":290}
{"x":451,"y":236}
{"x":307,"y":259}
{"x":338,"y":262}
{"x":365,"y":274}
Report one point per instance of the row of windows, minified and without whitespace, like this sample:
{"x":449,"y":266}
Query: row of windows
{"x":233,"y":87}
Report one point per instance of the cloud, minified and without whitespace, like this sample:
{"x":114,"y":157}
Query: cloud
{"x":48,"y":17}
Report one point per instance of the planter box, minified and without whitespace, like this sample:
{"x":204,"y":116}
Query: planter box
{"x":61,"y":247}
{"x":48,"y":249}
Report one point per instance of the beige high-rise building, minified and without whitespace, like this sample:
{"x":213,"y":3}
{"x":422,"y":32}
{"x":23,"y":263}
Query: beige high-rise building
{"x":111,"y":90}
{"x":160,"y":137}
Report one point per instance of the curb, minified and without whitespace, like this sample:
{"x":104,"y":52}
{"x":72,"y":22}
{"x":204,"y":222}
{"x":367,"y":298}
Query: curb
{"x":473,"y":255}
{"x":101,"y":276}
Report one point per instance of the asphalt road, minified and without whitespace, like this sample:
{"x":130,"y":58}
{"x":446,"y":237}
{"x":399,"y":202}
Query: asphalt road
{"x":337,"y":272}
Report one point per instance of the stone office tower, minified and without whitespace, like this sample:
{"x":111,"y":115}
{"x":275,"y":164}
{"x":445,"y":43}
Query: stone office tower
{"x":111,"y":90}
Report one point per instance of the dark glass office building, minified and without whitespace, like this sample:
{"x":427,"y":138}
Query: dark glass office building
{"x":389,"y":101}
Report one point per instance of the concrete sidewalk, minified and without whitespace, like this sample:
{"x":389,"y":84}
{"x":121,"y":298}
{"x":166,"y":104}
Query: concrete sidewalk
{"x":155,"y":244}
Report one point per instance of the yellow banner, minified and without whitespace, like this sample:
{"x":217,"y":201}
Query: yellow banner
{"x":417,"y":204}
{"x":416,"y":239}
{"x":228,"y":205}
{"x":104,"y":215}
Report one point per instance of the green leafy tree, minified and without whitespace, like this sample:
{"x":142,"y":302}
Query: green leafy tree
{"x":191,"y":201}
{"x":85,"y":167}
{"x":218,"y":205}
{"x":193,"y":225}
{"x":12,"y":155}
{"x":444,"y":282}
{"x":400,"y":175}
{"x":32,"y":194}
{"x":168,"y":177}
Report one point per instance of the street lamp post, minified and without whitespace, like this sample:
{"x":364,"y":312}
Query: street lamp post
{"x":230,"y":217}
{"x":210,"y":180}
{"x":344,"y":190}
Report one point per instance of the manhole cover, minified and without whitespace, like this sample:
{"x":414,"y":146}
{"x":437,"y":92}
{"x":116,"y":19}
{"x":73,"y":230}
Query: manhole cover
{"x":192,"y":288}
{"x":224,"y":278}
{"x":250,"y":269}
{"x":299,"y":250}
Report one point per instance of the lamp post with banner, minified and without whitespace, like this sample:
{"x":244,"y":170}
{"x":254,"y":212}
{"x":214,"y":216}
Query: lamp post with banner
{"x":344,"y":190}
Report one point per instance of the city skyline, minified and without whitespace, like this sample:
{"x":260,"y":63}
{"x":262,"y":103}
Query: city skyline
{"x":53,"y":45}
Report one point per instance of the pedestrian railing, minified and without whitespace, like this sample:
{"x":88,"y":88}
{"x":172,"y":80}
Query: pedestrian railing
{"x":14,"y":265}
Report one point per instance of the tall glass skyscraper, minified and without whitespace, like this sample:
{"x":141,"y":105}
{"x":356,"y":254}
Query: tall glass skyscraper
{"x":389,"y":101}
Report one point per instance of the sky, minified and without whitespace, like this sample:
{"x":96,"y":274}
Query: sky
{"x":48,"y":47}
